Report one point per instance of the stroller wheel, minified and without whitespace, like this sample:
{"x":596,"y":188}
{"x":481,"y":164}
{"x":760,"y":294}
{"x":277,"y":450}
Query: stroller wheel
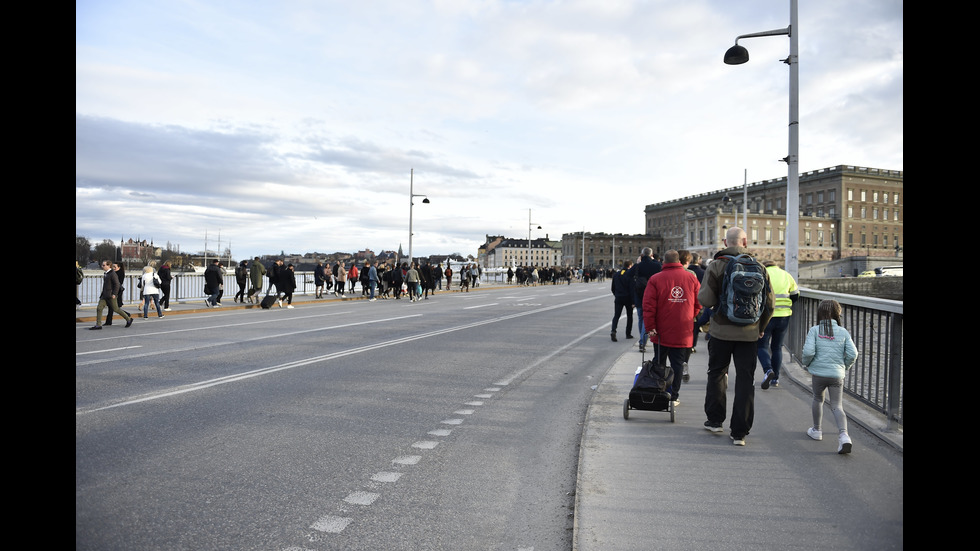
{"x":626,"y":408}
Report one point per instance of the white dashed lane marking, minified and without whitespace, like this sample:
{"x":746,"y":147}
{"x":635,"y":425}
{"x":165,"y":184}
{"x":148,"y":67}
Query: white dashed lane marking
{"x":331,"y":524}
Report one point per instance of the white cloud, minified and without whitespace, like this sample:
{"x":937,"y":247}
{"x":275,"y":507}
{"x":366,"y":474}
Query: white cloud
{"x":294,"y":126}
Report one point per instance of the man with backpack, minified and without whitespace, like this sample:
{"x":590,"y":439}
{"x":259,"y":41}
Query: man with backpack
{"x":738,"y":290}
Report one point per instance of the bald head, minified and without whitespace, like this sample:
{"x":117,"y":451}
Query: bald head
{"x":736,"y":238}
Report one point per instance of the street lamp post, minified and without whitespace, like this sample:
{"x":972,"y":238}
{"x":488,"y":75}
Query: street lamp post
{"x":411,"y":202}
{"x":736,"y":55}
{"x":529,"y":224}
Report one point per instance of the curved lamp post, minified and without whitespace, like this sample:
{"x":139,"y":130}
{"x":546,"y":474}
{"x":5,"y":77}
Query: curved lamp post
{"x":737,"y":55}
{"x":529,"y":224}
{"x":411,"y":196}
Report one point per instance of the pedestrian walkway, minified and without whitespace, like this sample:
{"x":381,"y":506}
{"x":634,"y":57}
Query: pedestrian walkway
{"x":648,"y":483}
{"x":86,"y":312}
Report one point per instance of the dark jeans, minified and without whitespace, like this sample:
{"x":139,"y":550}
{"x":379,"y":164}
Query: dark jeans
{"x":165,"y":301}
{"x":639,"y":321}
{"x":620,"y":305}
{"x":770,"y":347}
{"x":721,"y":354}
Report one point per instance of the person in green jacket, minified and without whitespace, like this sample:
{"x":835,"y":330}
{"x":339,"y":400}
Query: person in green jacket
{"x":255,"y":274}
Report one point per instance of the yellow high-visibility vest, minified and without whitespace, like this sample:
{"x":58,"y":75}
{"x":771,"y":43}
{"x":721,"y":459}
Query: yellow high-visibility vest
{"x":783,"y":287}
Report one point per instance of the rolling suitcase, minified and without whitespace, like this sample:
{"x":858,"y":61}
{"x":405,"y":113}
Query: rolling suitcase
{"x":268,"y":301}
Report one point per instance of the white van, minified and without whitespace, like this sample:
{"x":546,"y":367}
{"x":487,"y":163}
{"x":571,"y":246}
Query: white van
{"x":889,"y":271}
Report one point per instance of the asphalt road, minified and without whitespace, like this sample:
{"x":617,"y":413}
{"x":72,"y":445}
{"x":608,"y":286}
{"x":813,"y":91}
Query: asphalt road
{"x":450,"y":423}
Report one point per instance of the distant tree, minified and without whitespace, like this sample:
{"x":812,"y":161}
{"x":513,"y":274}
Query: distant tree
{"x":105,"y":250}
{"x":83,"y":250}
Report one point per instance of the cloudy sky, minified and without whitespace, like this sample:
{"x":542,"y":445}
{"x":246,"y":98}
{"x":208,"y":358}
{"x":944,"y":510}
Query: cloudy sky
{"x":294,"y":126}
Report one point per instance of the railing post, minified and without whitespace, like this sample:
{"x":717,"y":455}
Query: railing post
{"x":893,"y":405}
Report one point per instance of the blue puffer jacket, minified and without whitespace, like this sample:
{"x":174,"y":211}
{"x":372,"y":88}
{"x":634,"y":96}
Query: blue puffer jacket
{"x":829,"y":355}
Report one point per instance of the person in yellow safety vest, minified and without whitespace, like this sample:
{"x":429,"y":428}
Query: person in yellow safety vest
{"x":770,"y":348}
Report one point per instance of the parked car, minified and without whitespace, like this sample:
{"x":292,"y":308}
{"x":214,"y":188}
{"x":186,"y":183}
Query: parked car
{"x":868,"y":273}
{"x":890,"y":271}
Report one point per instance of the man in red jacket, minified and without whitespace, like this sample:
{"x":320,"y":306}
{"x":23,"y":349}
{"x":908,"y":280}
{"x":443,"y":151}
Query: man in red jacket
{"x":670,"y":306}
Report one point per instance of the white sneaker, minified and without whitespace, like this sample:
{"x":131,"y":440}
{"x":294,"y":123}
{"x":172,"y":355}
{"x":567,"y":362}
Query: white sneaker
{"x":844,"y":443}
{"x":814,"y":433}
{"x":289,"y":306}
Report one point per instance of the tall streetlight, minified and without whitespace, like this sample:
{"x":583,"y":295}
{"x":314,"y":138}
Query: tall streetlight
{"x":736,"y":55}
{"x":411,"y":196}
{"x":529,"y":224}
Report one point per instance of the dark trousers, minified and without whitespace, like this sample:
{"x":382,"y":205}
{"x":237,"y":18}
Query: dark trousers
{"x":677,"y":357}
{"x":721,"y":354}
{"x":165,"y":291}
{"x":770,"y":346}
{"x":618,"y":312}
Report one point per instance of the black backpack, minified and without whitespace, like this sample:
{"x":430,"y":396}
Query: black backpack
{"x":744,"y":288}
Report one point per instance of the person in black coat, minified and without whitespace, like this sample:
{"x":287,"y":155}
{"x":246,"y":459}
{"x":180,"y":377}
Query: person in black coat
{"x":241,"y":277}
{"x":622,"y":290}
{"x":121,"y":276}
{"x":287,"y":284}
{"x":212,"y":284}
{"x":165,"y":278}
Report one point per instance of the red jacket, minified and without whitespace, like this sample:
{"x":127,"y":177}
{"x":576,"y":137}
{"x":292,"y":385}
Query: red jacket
{"x":670,"y":305}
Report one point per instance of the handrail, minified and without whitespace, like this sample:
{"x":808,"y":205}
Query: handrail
{"x":876,"y":326}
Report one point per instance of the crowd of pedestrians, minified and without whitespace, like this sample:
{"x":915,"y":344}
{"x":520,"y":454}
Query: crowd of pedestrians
{"x":678,"y":296}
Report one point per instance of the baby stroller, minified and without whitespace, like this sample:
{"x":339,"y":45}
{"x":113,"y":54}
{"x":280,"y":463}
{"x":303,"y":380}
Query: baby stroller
{"x":651,"y":389}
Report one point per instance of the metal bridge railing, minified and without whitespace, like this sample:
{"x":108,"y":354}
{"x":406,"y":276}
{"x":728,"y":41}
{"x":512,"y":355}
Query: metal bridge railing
{"x":876,"y":326}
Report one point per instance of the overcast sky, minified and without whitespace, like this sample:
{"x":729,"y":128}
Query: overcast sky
{"x":294,"y":126}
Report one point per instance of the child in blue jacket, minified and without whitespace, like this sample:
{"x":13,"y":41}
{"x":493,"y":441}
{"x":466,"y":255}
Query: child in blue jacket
{"x":828,"y":353}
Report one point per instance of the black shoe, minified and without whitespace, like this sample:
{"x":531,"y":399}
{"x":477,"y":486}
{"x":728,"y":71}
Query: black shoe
{"x":713,"y":427}
{"x":129,"y":322}
{"x":107,"y":323}
{"x":628,"y":336}
{"x":613,"y":337}
{"x":643,"y":348}
{"x":95,"y":327}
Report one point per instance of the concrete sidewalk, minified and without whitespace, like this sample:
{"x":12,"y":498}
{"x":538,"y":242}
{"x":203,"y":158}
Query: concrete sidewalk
{"x":647,"y":477}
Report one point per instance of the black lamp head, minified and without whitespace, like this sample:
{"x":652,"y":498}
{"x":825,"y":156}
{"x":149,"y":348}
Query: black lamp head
{"x":736,"y":55}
